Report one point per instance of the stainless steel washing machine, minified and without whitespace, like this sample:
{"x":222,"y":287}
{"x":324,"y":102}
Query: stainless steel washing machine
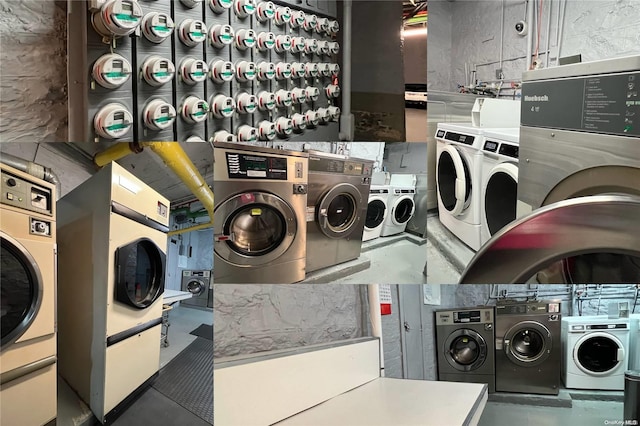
{"x":336,"y":208}
{"x":260,"y":222}
{"x":528,"y":351}
{"x":578,"y":184}
{"x":465,"y":345}
{"x":197,"y":283}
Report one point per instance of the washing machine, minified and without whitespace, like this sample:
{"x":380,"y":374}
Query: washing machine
{"x":260,"y":214}
{"x":112,"y":246}
{"x":499,"y":180}
{"x":465,"y":345}
{"x":634,"y":342}
{"x":578,"y":180}
{"x":595,"y":352}
{"x":377,"y":212}
{"x":197,"y":283}
{"x":528,"y":351}
{"x":336,"y":208}
{"x":27,"y":300}
{"x":401,"y":204}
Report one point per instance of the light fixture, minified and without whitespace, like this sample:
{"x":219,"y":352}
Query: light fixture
{"x":414,"y":32}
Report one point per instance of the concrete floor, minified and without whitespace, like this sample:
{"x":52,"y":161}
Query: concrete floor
{"x":447,"y":256}
{"x":583,"y":413}
{"x":72,"y":411}
{"x":416,"y":124}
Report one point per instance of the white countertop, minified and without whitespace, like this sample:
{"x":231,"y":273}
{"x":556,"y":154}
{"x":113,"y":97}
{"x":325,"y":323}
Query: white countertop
{"x":387,"y":401}
{"x":172,"y":296}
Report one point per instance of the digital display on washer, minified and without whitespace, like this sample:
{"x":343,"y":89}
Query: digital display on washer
{"x":326,"y":165}
{"x":607,"y":326}
{"x":491,"y":146}
{"x":466,"y":316}
{"x":460,"y":138}
{"x":249,"y":166}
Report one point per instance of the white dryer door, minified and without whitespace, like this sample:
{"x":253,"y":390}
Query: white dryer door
{"x":402,"y":210}
{"x":453,"y":178}
{"x":599,"y":353}
{"x":500,"y":197}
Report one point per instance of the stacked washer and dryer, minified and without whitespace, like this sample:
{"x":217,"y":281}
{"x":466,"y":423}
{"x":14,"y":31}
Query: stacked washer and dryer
{"x":28,"y":293}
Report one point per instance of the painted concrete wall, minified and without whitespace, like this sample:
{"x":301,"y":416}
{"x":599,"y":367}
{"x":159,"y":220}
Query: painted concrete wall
{"x":439,"y":41}
{"x":33,"y":71}
{"x":415,"y":59}
{"x":256,"y":318}
{"x":406,"y":157}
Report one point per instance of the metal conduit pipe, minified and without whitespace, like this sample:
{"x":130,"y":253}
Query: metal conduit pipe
{"x":34,"y":169}
{"x":346,"y":118}
{"x":530,"y":14}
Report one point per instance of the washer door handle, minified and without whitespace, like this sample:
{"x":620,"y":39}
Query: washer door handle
{"x":406,"y":326}
{"x":223,"y":237}
{"x":620,"y":355}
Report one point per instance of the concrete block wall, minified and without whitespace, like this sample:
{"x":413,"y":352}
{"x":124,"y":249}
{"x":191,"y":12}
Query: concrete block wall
{"x":406,"y":157}
{"x":392,"y":346}
{"x":439,"y":43}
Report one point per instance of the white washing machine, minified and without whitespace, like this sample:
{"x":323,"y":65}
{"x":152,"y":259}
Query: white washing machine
{"x":197,"y":283}
{"x":111,"y":273}
{"x":499,"y":180}
{"x":27,"y":299}
{"x":595,"y":352}
{"x":458,"y":179}
{"x":377,"y":211}
{"x":634,"y":341}
{"x":401,"y":204}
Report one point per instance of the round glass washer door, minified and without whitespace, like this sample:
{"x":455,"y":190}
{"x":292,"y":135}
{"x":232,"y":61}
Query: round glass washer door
{"x":256,"y":228}
{"x":528,"y":343}
{"x":599,"y":353}
{"x":465,"y":350}
{"x":403,"y":210}
{"x":376,"y":214}
{"x":337,"y":213}
{"x":141,"y":268}
{"x":453,"y":179}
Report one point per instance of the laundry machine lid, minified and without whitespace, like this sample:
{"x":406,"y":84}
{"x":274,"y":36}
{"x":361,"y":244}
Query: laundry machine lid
{"x":599,"y":353}
{"x":21,"y":286}
{"x":255,"y":228}
{"x":465,"y":349}
{"x":528,"y":343}
{"x":376,"y":213}
{"x":140,"y":277}
{"x":337,"y":212}
{"x":402,"y":210}
{"x":593,"y":224}
{"x":453,"y":178}
{"x":500,"y":196}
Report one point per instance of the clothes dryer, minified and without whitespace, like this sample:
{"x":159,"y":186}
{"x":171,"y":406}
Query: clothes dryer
{"x":595,"y":352}
{"x":465,"y":345}
{"x":377,"y":212}
{"x":499,"y":180}
{"x":401,"y":204}
{"x":528,"y":351}
{"x":111,"y":274}
{"x":197,"y":283}
{"x":336,"y":208}
{"x":260,"y":214}
{"x":28,"y":288}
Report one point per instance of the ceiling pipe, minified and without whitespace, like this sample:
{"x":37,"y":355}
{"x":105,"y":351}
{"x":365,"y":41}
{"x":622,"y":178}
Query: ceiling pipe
{"x":34,"y":169}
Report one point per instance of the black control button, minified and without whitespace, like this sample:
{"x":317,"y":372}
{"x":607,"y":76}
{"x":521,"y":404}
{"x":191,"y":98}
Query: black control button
{"x":11,"y":182}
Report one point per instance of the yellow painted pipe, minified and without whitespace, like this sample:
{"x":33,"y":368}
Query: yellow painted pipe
{"x":191,"y":228}
{"x":115,"y":152}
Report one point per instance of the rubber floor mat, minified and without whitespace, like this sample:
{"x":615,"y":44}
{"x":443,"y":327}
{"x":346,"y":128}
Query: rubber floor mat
{"x":188,"y":379}
{"x":204,"y":330}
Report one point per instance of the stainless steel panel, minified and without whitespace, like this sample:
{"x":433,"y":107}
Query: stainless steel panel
{"x":628,"y":63}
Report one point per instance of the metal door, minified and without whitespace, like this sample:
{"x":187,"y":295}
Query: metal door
{"x":453,"y":180}
{"x":140,"y":269}
{"x":254,"y":228}
{"x":337,"y":212}
{"x":528,"y":343}
{"x":598,"y":354}
{"x":411,"y":331}
{"x":465,"y":350}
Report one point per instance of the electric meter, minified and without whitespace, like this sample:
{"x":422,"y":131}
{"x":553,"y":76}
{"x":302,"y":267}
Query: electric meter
{"x":323,"y":115}
{"x":266,"y":71}
{"x":193,"y":70}
{"x":265,"y":11}
{"x":117,"y":18}
{"x":266,"y":40}
{"x":245,"y":71}
{"x":220,"y":6}
{"x":333,"y":27}
{"x":310,"y":46}
{"x":335,"y":69}
{"x":310,"y":22}
{"x":111,"y":71}
{"x":283,"y":43}
{"x":246,"y":103}
{"x":312,"y":118}
{"x":297,"y":44}
{"x":298,"y":121}
{"x":323,"y":47}
{"x":224,"y":136}
{"x":194,"y":110}
{"x":311,"y":69}
{"x":298,"y":95}
{"x":334,"y":47}
{"x":245,"y":39}
{"x":266,"y":100}
{"x":221,"y":35}
{"x":334,"y":112}
{"x":297,"y":70}
{"x":244,"y":8}
{"x":325,"y":69}
{"x":284,"y":126}
{"x":221,"y":71}
{"x":192,"y":32}
{"x":158,"y":115}
{"x":113,"y":121}
{"x":283,"y":70}
{"x":191,"y":3}
{"x":284,"y":98}
{"x":322,"y":25}
{"x":195,"y":138}
{"x":222,"y":106}
{"x":282,"y":15}
{"x":247,"y":133}
{"x":297,"y":18}
{"x":266,"y":130}
{"x":156,"y":27}
{"x":157,"y":70}
{"x":332,"y":91}
{"x":312,"y":93}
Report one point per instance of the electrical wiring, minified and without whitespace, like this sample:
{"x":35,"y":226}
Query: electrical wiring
{"x":538,"y":29}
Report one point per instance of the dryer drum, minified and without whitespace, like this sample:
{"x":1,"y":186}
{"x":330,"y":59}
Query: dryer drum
{"x":598,"y":354}
{"x":257,"y":229}
{"x":141,"y":266}
{"x":403,"y":211}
